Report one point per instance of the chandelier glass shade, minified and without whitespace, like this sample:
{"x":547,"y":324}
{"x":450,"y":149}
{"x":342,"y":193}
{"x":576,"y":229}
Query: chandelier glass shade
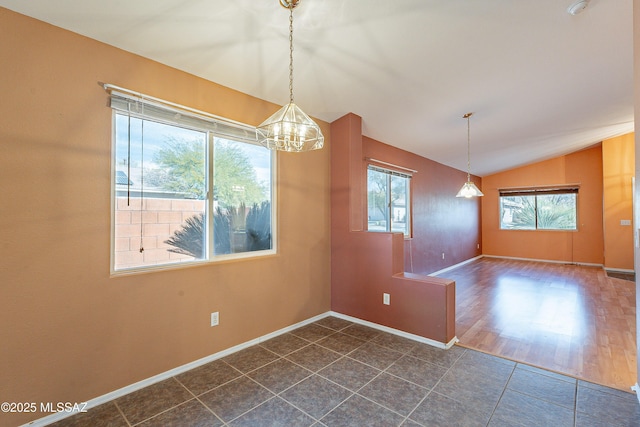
{"x":469,"y":190}
{"x":290,"y":128}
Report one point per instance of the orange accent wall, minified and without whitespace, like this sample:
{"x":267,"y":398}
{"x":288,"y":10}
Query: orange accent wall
{"x":636,"y":207}
{"x":618,"y":168}
{"x":70,"y":332}
{"x":586,"y":245}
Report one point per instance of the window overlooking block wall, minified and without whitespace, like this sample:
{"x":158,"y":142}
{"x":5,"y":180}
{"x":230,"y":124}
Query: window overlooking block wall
{"x":388,"y":200}
{"x":539,"y":208}
{"x":187,"y":187}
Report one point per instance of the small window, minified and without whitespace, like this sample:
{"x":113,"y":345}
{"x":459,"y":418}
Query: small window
{"x":388,"y":201}
{"x":539,"y":209}
{"x":187,"y":188}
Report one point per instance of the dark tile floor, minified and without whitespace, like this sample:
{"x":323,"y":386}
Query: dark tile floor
{"x":337,"y":373}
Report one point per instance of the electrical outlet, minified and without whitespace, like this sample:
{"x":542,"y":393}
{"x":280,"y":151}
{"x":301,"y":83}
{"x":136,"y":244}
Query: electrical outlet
{"x":215,"y":319}
{"x":386,"y":299}
{"x":442,"y":255}
{"x":478,"y":246}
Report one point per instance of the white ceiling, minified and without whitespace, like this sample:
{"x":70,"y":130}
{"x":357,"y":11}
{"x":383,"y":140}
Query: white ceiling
{"x":540,"y":81}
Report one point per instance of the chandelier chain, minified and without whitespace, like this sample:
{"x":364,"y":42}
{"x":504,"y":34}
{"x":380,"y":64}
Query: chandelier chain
{"x":291,"y":52}
{"x":290,"y":129}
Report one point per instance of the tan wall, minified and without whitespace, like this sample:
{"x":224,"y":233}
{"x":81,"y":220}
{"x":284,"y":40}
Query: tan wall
{"x":69,"y":331}
{"x":582,"y":246}
{"x":618,"y":165}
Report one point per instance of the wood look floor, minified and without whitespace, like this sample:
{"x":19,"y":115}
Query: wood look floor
{"x":566,"y":318}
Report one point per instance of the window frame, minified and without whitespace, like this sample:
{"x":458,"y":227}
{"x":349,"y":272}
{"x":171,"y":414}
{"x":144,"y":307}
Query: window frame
{"x":408,"y":194}
{"x":535,"y":192}
{"x":215,"y":128}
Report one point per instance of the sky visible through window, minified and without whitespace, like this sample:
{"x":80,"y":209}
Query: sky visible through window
{"x":158,"y":135}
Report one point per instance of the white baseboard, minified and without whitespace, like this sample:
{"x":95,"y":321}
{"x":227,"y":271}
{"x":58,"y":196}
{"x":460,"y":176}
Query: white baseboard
{"x":636,"y":390}
{"x":620,"y":270}
{"x":49,"y":419}
{"x":398,"y":332}
{"x":460,"y":264}
{"x":551,"y":261}
{"x":586,"y":264}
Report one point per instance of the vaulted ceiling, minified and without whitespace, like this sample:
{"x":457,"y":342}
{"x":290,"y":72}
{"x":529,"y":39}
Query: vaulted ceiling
{"x":540,"y":81}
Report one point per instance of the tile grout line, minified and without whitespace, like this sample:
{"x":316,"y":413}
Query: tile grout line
{"x":374,"y":343}
{"x":548,"y":378}
{"x":385,"y":371}
{"x":382,"y":371}
{"x":284,"y":357}
{"x":435,"y":385}
{"x":504,"y":389}
{"x":432,"y":389}
{"x":126,"y":420}
{"x":255,"y":406}
{"x":193,"y":397}
{"x":324,"y":415}
{"x":312,"y":373}
{"x":353,"y":393}
{"x":197,"y":397}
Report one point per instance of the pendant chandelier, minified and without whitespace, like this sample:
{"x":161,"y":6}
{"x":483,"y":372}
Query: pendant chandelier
{"x":469,"y":189}
{"x":290,"y":129}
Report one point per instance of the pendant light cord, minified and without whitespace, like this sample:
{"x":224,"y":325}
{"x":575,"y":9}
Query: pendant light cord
{"x":291,"y":51}
{"x":469,"y":148}
{"x":468,"y":117}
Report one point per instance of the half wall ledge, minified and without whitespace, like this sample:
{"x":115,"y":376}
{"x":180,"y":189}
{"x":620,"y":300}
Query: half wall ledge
{"x":424,"y":306}
{"x":365,"y":266}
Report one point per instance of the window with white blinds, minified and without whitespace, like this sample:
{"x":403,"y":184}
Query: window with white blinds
{"x":187,"y":187}
{"x":388,"y":200}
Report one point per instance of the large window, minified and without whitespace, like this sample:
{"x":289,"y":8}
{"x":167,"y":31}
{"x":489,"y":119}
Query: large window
{"x":187,"y":187}
{"x":388,"y":200}
{"x":539,"y":209}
